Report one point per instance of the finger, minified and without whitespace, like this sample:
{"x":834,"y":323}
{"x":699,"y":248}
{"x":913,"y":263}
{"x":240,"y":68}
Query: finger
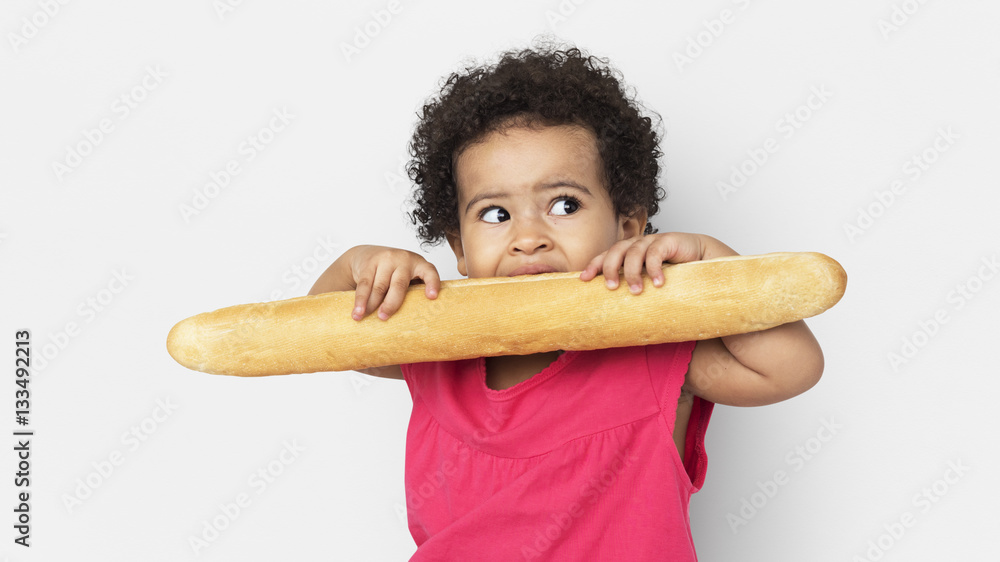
{"x":380,"y":286}
{"x":679,"y":247}
{"x":654,"y":267}
{"x":655,"y":258}
{"x":432,"y":281}
{"x":668,"y":248}
{"x":361,"y":294}
{"x":633,"y":263}
{"x":593,"y":268}
{"x":613,"y":261}
{"x":399,"y":284}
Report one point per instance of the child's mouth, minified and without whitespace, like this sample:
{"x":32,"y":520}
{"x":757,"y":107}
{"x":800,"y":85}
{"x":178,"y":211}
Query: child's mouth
{"x":532,"y":269}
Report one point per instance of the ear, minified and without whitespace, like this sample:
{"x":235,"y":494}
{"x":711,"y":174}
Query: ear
{"x":455,"y":241}
{"x":632,"y":226}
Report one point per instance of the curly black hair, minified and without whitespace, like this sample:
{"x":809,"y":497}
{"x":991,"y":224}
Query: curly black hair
{"x":532,"y":87}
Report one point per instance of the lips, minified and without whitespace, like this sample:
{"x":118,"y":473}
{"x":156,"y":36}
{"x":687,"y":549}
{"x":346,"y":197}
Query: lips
{"x":532,"y":269}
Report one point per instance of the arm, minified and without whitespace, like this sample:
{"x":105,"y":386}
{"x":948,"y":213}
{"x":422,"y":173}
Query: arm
{"x":751,"y":369}
{"x":380,"y":277}
{"x":757,"y":368}
{"x":335,"y":278}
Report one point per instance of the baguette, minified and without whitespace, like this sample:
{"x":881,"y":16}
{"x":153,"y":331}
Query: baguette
{"x":510,"y":316}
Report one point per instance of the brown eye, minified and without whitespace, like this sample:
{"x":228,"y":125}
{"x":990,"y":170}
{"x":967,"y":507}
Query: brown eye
{"x":495,"y":215}
{"x":566,"y":206}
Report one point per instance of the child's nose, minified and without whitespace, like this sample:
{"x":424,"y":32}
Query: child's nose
{"x":530,"y":236}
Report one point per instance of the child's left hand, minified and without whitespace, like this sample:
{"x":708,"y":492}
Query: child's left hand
{"x":751,"y":369}
{"x":652,"y":251}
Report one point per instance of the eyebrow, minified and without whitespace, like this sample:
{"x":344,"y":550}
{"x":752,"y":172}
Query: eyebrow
{"x":546,"y":185}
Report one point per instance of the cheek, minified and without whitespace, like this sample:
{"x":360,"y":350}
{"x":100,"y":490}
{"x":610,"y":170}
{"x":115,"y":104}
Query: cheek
{"x":611,"y":232}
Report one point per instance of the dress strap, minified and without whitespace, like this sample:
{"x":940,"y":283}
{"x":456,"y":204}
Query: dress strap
{"x":668,"y":365}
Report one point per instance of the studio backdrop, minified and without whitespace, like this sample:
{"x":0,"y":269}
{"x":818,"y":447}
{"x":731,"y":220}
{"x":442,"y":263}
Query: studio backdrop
{"x":158,"y":160}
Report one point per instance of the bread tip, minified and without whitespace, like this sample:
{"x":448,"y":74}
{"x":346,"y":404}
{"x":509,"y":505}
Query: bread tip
{"x":181,"y":340}
{"x":836,"y":276}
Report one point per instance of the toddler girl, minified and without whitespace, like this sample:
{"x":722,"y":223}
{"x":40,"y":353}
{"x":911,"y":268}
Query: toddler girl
{"x":543,"y":163}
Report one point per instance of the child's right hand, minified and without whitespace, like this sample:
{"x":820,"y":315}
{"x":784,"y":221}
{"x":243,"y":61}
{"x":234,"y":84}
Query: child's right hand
{"x":381,"y":276}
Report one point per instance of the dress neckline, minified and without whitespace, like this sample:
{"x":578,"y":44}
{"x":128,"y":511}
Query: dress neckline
{"x":545,"y":374}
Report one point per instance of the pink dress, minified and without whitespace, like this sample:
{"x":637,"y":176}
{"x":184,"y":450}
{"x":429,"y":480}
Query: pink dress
{"x":576,"y":463}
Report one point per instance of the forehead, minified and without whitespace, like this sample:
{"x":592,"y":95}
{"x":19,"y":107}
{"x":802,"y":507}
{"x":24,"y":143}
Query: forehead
{"x":521,"y":155}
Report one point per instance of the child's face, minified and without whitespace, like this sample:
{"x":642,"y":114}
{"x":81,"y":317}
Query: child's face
{"x":532,"y":201}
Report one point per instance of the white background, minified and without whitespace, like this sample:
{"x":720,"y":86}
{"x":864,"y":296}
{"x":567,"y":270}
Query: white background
{"x":328,"y":180}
